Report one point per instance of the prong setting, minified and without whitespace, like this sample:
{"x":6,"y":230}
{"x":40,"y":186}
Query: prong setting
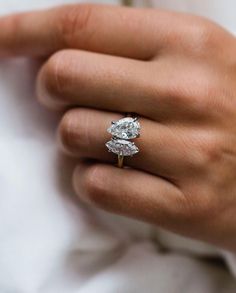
{"x":122,"y":132}
{"x":125,"y":128}
{"x":122,"y":147}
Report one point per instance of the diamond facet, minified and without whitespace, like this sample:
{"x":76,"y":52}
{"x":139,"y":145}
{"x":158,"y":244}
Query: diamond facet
{"x":126,"y":128}
{"x":122,"y":147}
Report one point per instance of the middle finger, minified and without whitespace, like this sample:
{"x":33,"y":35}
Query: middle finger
{"x":157,"y":90}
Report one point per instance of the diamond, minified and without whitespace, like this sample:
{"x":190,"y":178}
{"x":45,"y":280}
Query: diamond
{"x":122,"y":147}
{"x":126,"y":128}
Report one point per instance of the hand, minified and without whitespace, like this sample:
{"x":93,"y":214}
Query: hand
{"x":178,"y":73}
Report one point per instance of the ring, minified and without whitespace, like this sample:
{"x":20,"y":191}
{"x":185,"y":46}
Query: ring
{"x":122,"y":132}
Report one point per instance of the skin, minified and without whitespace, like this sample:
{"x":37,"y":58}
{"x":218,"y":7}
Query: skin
{"x":178,"y":73}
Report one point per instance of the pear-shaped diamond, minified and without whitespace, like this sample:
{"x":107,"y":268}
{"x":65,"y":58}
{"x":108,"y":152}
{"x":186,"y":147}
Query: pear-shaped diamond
{"x":125,"y":128}
{"x":122,"y":147}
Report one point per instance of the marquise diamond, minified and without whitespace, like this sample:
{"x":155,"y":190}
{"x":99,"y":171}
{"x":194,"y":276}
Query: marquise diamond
{"x":126,"y":128}
{"x":122,"y":147}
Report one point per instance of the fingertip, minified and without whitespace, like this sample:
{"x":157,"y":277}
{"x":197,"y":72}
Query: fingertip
{"x":44,"y":92}
{"x":92,"y":184}
{"x":83,"y":181}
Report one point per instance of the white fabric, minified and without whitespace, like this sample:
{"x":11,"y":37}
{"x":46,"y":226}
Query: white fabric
{"x":49,"y":243}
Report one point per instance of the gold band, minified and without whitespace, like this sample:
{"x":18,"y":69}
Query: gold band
{"x":120,"y":161}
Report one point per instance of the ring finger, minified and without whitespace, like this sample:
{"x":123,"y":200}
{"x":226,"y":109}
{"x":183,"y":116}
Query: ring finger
{"x":83,"y":134}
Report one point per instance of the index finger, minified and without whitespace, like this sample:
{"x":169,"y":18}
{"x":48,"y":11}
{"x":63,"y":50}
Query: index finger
{"x":128,"y":32}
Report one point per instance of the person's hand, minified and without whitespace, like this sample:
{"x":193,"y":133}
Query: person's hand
{"x":178,"y":73}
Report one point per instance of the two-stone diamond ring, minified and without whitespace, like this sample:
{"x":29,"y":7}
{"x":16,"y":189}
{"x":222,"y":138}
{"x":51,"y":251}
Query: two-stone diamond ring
{"x":123,"y":131}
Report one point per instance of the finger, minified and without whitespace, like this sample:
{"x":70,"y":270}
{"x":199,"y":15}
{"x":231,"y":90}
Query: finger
{"x":83,"y":133}
{"x":131,"y":193}
{"x":94,"y":80}
{"x":155,"y":90}
{"x":105,"y":29}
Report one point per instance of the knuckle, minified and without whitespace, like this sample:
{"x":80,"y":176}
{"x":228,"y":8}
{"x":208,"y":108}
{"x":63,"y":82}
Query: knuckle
{"x":210,"y":152}
{"x":207,"y":152}
{"x":205,"y":38}
{"x":194,"y":34}
{"x":197,"y":91}
{"x":203,"y":35}
{"x":202,"y":93}
{"x":73,"y":133}
{"x":73,"y":20}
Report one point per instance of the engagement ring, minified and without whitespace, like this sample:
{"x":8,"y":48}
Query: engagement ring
{"x":122,"y":132}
